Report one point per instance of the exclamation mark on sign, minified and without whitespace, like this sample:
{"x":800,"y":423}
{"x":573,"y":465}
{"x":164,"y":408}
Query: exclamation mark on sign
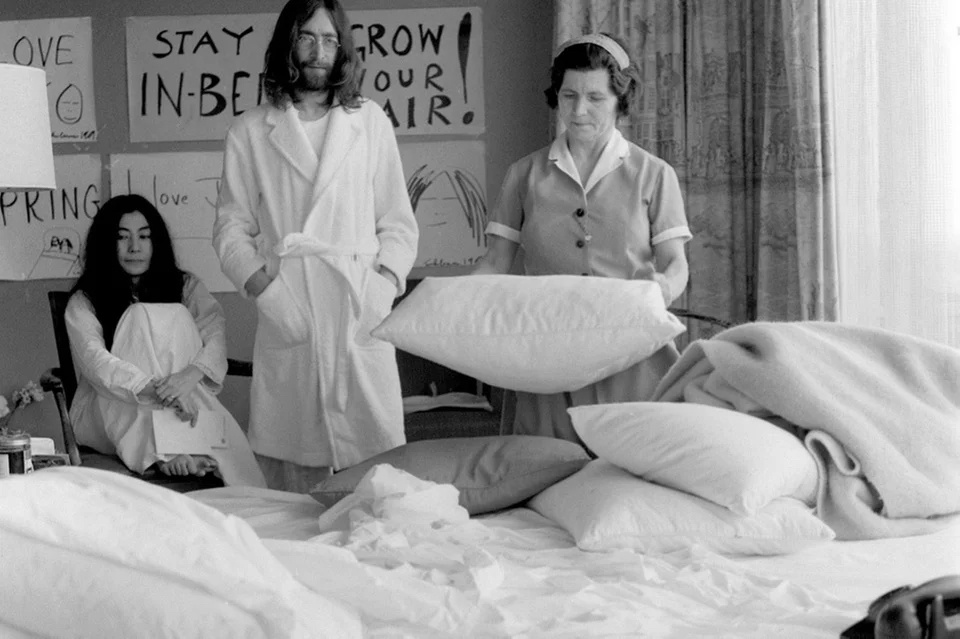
{"x":463,"y":48}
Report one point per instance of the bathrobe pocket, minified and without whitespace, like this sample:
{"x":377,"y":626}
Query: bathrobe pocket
{"x":282,"y":319}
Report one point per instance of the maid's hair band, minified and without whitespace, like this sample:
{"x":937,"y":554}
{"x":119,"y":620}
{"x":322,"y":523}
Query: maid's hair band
{"x":606,"y":42}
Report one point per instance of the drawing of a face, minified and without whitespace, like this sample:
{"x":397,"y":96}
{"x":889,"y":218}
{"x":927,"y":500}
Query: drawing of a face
{"x":70,"y":105}
{"x":444,"y":212}
{"x":134,"y":246}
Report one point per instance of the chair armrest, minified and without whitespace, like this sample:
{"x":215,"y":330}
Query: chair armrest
{"x":50,"y":381}
{"x":239,"y":367}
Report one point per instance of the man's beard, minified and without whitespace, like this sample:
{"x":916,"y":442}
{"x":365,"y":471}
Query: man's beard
{"x":313,"y":79}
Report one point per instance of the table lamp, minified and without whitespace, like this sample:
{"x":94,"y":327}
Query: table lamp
{"x":26,"y":150}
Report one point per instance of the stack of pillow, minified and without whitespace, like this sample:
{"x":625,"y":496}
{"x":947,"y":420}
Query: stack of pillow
{"x":543,"y":334}
{"x":671,"y":475}
{"x":668,"y":475}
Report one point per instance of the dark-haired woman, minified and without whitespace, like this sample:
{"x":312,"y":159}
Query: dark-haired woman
{"x":594,"y":204}
{"x":147,"y":336}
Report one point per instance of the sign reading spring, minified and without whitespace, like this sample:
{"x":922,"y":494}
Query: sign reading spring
{"x":188,"y":77}
{"x":42,"y":232}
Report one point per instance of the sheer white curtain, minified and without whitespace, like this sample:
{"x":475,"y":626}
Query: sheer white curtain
{"x":896,"y":90}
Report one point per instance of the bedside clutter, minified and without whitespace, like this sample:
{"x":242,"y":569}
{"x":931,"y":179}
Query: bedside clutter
{"x":440,"y":402}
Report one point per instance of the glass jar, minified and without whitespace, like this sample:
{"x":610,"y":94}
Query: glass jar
{"x":15,"y":454}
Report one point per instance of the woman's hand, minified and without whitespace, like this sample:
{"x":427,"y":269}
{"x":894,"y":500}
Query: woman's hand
{"x":178,"y":386}
{"x":184,"y":408}
{"x":149,"y":393}
{"x":498,"y":260}
{"x":647,"y":272}
{"x":664,"y":283}
{"x":185,"y":412}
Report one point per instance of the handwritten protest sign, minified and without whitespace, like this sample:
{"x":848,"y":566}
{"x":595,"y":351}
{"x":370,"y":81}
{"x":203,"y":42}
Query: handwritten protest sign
{"x":183,"y":187}
{"x":63,"y":48}
{"x":42,"y":232}
{"x":189,"y":76}
{"x":423,"y":66}
{"x":445,"y":181}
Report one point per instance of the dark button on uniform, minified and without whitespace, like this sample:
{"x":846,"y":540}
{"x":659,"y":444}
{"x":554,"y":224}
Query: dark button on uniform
{"x":579,"y":212}
{"x":584,"y":274}
{"x":581,"y":243}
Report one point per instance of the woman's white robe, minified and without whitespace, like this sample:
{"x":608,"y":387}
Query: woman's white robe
{"x":151,"y":341}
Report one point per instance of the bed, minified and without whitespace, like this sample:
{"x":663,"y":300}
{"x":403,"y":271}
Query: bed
{"x":781,"y":477}
{"x":245,"y":562}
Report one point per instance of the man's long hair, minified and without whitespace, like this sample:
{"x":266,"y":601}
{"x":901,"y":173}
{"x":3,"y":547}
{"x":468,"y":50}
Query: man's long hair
{"x":280,"y":69}
{"x":103,"y":280}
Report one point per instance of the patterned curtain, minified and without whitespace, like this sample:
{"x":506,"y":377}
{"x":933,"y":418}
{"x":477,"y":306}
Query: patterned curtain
{"x":733,"y":98}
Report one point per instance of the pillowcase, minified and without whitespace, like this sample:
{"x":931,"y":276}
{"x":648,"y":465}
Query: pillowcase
{"x":731,"y":458}
{"x":491,"y":473}
{"x":606,"y":508}
{"x":540,"y":334}
{"x":124,"y":558}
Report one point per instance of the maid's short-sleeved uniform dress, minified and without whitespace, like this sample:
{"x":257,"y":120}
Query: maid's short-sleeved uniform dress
{"x":604,"y":228}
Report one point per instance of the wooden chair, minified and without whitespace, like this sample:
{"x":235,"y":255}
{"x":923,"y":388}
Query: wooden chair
{"x":61,"y":382}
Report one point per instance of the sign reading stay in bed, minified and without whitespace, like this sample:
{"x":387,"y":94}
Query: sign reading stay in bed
{"x":189,"y":76}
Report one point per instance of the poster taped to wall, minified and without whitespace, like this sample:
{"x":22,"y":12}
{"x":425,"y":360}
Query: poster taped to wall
{"x":183,"y":187}
{"x":446,"y":183}
{"x":63,"y":47}
{"x":42,"y":232}
{"x":423,"y":66}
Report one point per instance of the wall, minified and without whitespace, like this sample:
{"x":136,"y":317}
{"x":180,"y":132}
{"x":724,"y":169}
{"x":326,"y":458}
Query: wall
{"x":517,"y":40}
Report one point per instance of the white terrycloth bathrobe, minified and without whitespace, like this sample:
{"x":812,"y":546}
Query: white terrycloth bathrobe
{"x":151,"y":340}
{"x":324,"y":392}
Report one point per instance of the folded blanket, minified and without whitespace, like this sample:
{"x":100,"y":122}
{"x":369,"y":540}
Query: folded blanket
{"x":880,"y":411}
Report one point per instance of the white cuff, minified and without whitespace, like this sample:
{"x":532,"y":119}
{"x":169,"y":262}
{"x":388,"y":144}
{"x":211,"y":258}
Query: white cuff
{"x":677,"y":231}
{"x":502,"y":230}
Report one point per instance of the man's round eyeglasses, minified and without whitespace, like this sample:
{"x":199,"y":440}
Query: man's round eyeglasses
{"x":329,"y":44}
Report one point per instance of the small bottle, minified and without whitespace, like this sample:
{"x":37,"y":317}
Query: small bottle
{"x":15,"y":456}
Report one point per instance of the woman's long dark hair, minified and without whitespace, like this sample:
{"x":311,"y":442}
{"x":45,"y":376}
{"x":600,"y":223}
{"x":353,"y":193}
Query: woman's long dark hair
{"x":103,"y":280}
{"x":280,"y":70}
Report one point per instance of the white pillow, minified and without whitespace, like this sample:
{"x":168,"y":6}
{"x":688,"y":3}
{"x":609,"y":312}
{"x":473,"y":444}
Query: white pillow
{"x":731,"y":458}
{"x":540,"y":334}
{"x":606,"y":508}
{"x":89,"y":553}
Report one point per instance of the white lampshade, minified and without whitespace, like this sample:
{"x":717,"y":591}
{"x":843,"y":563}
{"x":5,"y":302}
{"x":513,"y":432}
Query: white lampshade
{"x":26,"y":150}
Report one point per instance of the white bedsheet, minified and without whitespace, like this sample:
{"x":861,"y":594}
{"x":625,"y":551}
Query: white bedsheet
{"x":516,"y":574}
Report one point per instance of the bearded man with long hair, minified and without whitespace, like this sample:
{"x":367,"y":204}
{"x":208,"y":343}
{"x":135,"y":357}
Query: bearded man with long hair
{"x":315,"y":225}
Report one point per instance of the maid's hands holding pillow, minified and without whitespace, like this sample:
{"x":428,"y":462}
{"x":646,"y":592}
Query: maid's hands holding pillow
{"x":546,"y":334}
